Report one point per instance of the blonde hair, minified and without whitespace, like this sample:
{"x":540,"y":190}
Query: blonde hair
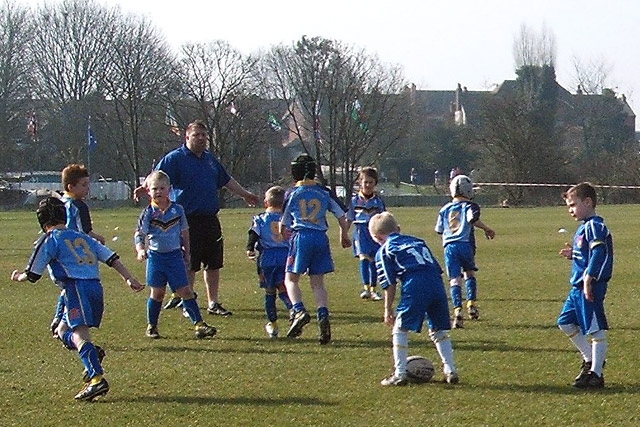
{"x":383,"y":223}
{"x":274,"y":196}
{"x":157,"y":176}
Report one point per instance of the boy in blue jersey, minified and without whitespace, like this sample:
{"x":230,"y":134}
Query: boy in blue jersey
{"x":162,"y":239}
{"x":592,"y":265}
{"x":409,"y":260}
{"x":456,"y":222}
{"x":75,"y":183}
{"x":305,"y":214}
{"x":363,"y":206}
{"x":273,"y":248}
{"x":72,"y":260}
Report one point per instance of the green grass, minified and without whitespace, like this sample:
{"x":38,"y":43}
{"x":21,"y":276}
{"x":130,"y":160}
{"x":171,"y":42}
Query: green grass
{"x":515,"y":366}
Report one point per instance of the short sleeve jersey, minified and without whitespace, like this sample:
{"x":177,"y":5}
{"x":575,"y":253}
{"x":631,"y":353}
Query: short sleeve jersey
{"x":273,"y":246}
{"x":163,"y":228}
{"x":402,"y":255}
{"x":78,"y":216}
{"x":455,"y":222}
{"x":69,"y":254}
{"x":195,"y":180}
{"x":592,"y":251}
{"x":362,"y":208}
{"x":306,"y":207}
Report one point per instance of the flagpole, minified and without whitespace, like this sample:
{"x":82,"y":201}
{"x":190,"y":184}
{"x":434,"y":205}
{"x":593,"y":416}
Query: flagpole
{"x":89,"y":144}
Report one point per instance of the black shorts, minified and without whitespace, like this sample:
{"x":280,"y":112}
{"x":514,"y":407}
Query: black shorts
{"x":207,"y":242}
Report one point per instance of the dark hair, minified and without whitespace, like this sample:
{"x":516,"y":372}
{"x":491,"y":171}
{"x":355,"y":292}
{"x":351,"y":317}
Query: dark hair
{"x":582,"y":191}
{"x":303,"y":167}
{"x":51,"y":211}
{"x":370,"y":172}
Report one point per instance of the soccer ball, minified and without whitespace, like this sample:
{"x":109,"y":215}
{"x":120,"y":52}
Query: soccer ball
{"x":419,"y":369}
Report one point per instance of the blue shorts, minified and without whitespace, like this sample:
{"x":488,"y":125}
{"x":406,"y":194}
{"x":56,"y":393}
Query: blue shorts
{"x":430,"y":302}
{"x":84,"y":302}
{"x":271,"y":276}
{"x":363,"y":243}
{"x":459,"y":257}
{"x":166,"y":268}
{"x":309,"y":252}
{"x":588,"y":315}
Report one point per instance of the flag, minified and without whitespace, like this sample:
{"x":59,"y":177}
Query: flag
{"x":92,"y":142}
{"x":357,"y":116}
{"x":274,"y":123}
{"x":32,"y":126}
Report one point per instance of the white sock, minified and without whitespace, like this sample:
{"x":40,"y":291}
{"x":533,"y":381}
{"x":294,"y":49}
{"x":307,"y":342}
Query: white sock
{"x":599,"y":351}
{"x":579,"y":340}
{"x":400,"y":341}
{"x":445,"y":350}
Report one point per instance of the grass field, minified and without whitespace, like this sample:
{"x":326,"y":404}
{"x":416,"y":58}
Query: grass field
{"x":515,"y":365}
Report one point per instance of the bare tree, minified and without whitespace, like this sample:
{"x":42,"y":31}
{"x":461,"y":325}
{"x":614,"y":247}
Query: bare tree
{"x":591,"y":76}
{"x":15,"y":33}
{"x":70,"y":56}
{"x":344,"y":106}
{"x":141,"y":70}
{"x":534,"y":49}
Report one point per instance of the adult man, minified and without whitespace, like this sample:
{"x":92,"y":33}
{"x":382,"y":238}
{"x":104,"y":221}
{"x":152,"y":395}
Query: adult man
{"x":197,"y":176}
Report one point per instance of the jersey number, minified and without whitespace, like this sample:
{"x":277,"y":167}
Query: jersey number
{"x":309,"y":210}
{"x":81,"y":250}
{"x":423,"y":257}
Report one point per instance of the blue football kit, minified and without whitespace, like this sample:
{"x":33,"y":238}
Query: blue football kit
{"x":361,"y":209}
{"x":409,"y":260}
{"x":273,"y":248}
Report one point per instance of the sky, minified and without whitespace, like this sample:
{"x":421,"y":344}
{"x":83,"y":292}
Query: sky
{"x":438,"y":43}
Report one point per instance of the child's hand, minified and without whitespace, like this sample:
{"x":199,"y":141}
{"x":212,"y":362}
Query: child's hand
{"x":567,"y":251}
{"x":141,"y":254}
{"x":251,"y":255}
{"x":489,"y":233}
{"x":134,"y":284}
{"x":389,"y":317}
{"x":345,"y":241}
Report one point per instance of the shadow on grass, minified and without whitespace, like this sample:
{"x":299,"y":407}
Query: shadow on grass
{"x":239,"y":400}
{"x":613,"y":389}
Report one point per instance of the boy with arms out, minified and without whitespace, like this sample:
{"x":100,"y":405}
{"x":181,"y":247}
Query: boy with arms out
{"x":162,"y":239}
{"x":363,"y":206}
{"x":409,"y":260}
{"x":273,"y":248}
{"x":456,"y":222}
{"x":72,"y":259}
{"x":305,"y":214}
{"x":592,"y":265}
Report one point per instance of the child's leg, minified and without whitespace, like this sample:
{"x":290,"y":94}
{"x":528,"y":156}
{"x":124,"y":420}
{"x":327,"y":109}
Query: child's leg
{"x":154,"y":304}
{"x":400,"y":341}
{"x":270,"y":304}
{"x":88,"y":353}
{"x":189,"y":304}
{"x":598,"y":351}
{"x":291,"y":281}
{"x":284,"y":296}
{"x":365,"y":277}
{"x":471,"y":286}
{"x":456,"y":292}
{"x":445,"y":349}
{"x":579,"y":340}
{"x":320,"y":293}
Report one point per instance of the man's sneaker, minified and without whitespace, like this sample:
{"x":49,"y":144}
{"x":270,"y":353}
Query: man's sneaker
{"x":365,"y":294}
{"x":101,"y":355}
{"x":325,"y":330}
{"x":395,"y":380}
{"x":375,"y":296}
{"x":300,"y":319}
{"x":218,"y":309}
{"x":473,"y":311}
{"x":458,"y":318}
{"x":91,"y":391}
{"x":152,"y":332}
{"x":591,"y":380}
{"x":203,"y":330}
{"x":272,"y":329}
{"x":451,"y":378}
{"x":174,"y":302}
